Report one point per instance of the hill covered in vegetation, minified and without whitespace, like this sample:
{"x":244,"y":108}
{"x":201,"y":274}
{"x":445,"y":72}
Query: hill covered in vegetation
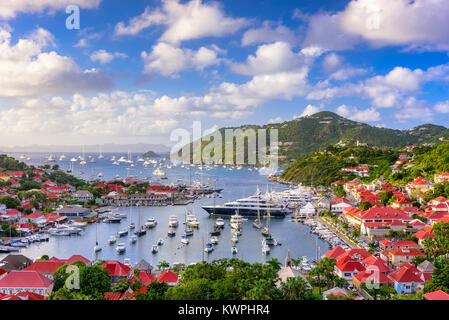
{"x":306,"y":135}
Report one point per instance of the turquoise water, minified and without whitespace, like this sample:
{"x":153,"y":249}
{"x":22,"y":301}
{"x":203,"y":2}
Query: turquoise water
{"x":293,"y":237}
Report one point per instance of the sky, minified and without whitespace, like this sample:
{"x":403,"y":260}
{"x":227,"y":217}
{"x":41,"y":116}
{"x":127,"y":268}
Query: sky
{"x":135,"y":71}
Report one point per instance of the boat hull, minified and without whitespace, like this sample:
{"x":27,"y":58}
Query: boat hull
{"x":220,"y":211}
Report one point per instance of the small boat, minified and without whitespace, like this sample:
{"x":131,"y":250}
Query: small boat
{"x":127,"y":262}
{"x":234,"y":239}
{"x":112,"y":240}
{"x":154,"y":249}
{"x":237,"y":232}
{"x":192,"y":221}
{"x":171,"y":232}
{"x":214,"y":240}
{"x":120,"y":248}
{"x":257,"y":224}
{"x":173,"y":221}
{"x":112,"y":220}
{"x":184,"y":240}
{"x":151,"y":223}
{"x":209,"y":248}
{"x":18,"y":244}
{"x":133,"y":239}
{"x":97,"y":248}
{"x":141,"y":232}
{"x":79,"y":224}
{"x":265,"y":249}
{"x":216,"y":231}
{"x":160,"y":242}
{"x":219,"y":223}
{"x":234,"y":250}
{"x":131,"y":226}
{"x":122,"y":233}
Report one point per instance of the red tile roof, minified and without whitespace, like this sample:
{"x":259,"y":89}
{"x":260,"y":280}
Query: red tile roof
{"x":168,"y":276}
{"x":349,"y":266}
{"x":436,"y":295}
{"x":144,"y":277}
{"x":23,"y":296}
{"x":373,"y":276}
{"x":406,"y":252}
{"x":25,"y":279}
{"x":77,"y":257}
{"x":112,"y":295}
{"x":405,"y":275}
{"x":335,"y":252}
{"x":44,"y":266}
{"x":116,"y":268}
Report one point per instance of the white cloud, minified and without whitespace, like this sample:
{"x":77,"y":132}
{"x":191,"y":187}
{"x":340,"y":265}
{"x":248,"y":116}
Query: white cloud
{"x":414,"y":109}
{"x":168,"y":60}
{"x":442,"y":107}
{"x":267,"y":34}
{"x":332,"y":61}
{"x":418,"y":24}
{"x":308,"y":111}
{"x":270,"y":58}
{"x":367,"y":115}
{"x":10,"y":8}
{"x":103,"y":56}
{"x":346,"y":73}
{"x":275,"y":120}
{"x":26,"y":70}
{"x":191,"y":20}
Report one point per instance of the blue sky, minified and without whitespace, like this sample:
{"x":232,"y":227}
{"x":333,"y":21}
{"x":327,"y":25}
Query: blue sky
{"x":137,"y":70}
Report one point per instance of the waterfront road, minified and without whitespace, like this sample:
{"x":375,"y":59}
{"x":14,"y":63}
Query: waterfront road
{"x":342,"y":237}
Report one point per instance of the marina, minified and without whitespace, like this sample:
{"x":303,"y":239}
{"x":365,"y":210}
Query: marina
{"x":184,"y":243}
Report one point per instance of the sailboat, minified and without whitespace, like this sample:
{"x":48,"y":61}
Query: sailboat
{"x":97,"y":247}
{"x":83,"y":159}
{"x":257,"y":223}
{"x":188,"y":231}
{"x":269,"y":240}
{"x":101,"y":155}
{"x":142,"y":230}
{"x":131,"y":224}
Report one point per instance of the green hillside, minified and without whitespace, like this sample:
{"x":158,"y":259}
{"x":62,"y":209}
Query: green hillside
{"x":306,"y":135}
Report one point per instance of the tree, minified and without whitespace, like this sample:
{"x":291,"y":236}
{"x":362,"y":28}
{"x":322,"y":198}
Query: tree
{"x":9,"y":202}
{"x":385,"y":197}
{"x":275,"y":263}
{"x":328,"y":266}
{"x":439,"y":245}
{"x":318,"y":271}
{"x":355,"y":233}
{"x":365,"y":205}
{"x":164,"y":264}
{"x":121,"y":286}
{"x":155,"y":291}
{"x":440,"y":279}
{"x":94,"y":280}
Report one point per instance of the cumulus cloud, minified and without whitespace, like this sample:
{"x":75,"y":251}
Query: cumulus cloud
{"x":332,"y":61}
{"x":308,"y":111}
{"x":271,"y":58}
{"x":167,"y":59}
{"x":353,"y":113}
{"x":10,"y":8}
{"x":418,"y":24}
{"x":103,"y":56}
{"x":191,"y":20}
{"x":267,"y":34}
{"x":442,"y":107}
{"x":26,"y":70}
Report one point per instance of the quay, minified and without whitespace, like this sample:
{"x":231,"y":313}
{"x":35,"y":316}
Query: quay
{"x":337,"y":232}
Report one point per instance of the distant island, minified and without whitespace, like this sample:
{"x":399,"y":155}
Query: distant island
{"x":151,"y":154}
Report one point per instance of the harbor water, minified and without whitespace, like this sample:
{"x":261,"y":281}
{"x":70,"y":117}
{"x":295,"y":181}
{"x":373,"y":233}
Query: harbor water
{"x":236,"y":184}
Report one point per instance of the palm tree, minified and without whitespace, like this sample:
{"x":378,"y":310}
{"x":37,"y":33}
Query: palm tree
{"x":296,"y":262}
{"x":318,"y":271}
{"x":328,"y":266}
{"x":163,"y":264}
{"x":275,"y":263}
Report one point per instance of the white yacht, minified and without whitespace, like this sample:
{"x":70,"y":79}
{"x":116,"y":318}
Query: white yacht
{"x":159,"y":172}
{"x":133,"y":239}
{"x":120,"y":248}
{"x":112,"y":240}
{"x":192,"y":221}
{"x":173,"y":221}
{"x":248,"y":207}
{"x":151,"y":223}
